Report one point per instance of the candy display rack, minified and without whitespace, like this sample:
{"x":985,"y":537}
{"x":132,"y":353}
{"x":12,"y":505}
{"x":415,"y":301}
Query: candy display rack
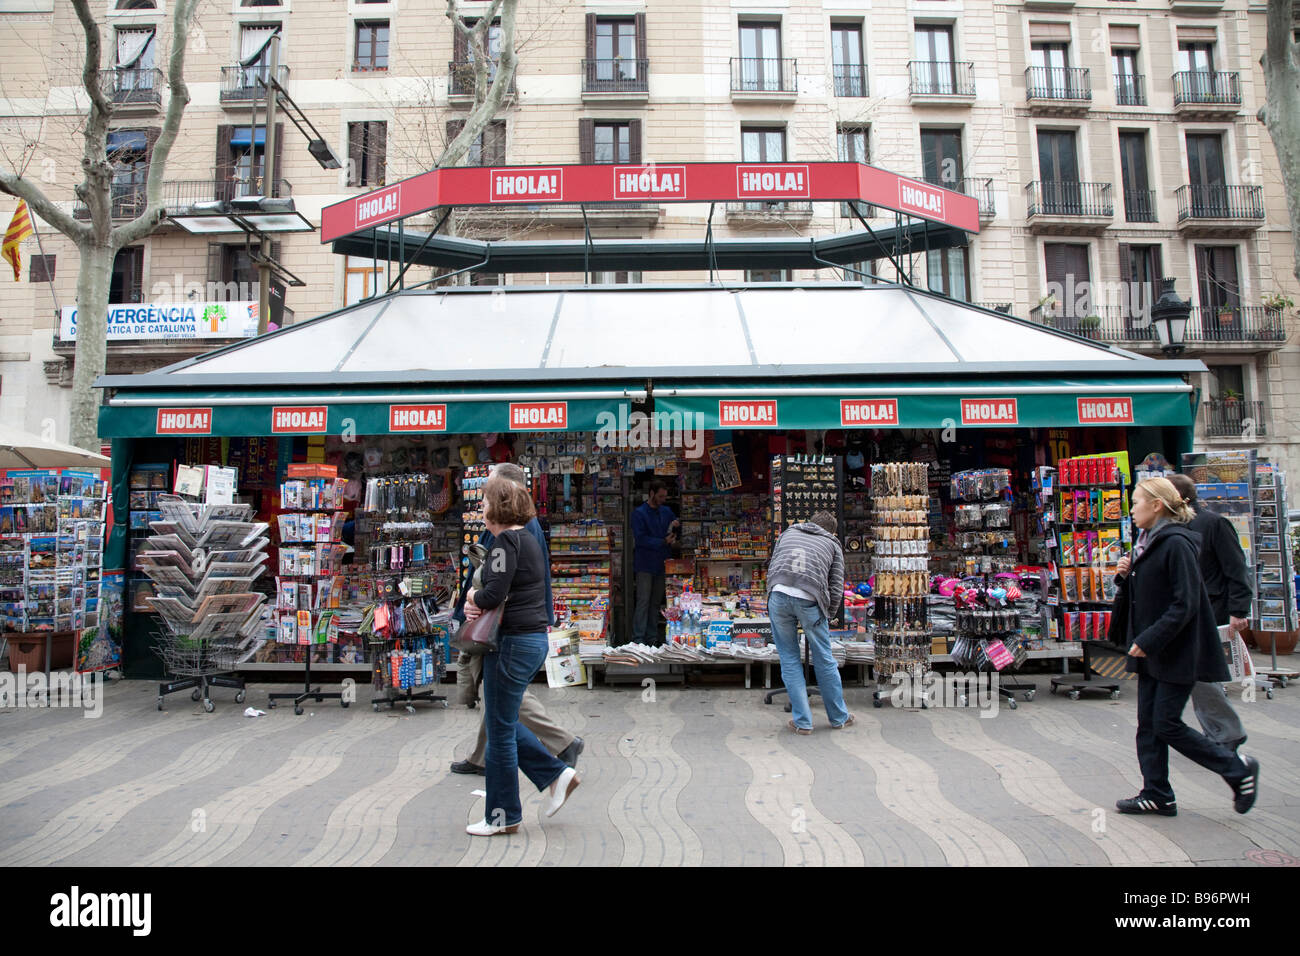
{"x":307,"y":588}
{"x":1092,"y":531}
{"x":203,"y":561}
{"x":900,"y":494}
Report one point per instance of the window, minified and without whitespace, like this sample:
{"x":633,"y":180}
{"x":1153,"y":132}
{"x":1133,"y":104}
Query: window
{"x":1195,"y":57}
{"x":241,"y":161}
{"x":1217,"y":283}
{"x":462,"y":75}
{"x":487,"y":278}
{"x":948,"y":271}
{"x":941,"y":157}
{"x":1068,"y":278}
{"x":852,"y":144}
{"x":136,"y":5}
{"x":934,"y":72}
{"x":361,"y":279}
{"x":760,"y":57}
{"x":1050,"y":76}
{"x":848,"y":68}
{"x":126,"y":286}
{"x":762,"y":145}
{"x":1227,"y":381}
{"x":128,"y":153}
{"x":1206,"y":175}
{"x":1140,"y":269}
{"x":767,"y":275}
{"x":488,"y":148}
{"x":42,"y":269}
{"x":255,"y":56}
{"x":1060,"y":192}
{"x":259,"y":3}
{"x":367,"y":148}
{"x":1139,"y":201}
{"x":612,"y":142}
{"x":232,"y":274}
{"x":1128,"y":81}
{"x":136,"y":49}
{"x":372,"y":46}
{"x":616,"y":278}
{"x":616,"y":57}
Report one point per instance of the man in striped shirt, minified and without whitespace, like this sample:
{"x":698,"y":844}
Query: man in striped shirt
{"x":805,"y":580}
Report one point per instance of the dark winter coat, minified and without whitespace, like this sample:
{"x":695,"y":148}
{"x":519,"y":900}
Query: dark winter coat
{"x":1162,"y":606}
{"x":1223,"y":566}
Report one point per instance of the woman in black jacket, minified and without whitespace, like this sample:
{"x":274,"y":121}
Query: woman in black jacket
{"x":1164,"y":613}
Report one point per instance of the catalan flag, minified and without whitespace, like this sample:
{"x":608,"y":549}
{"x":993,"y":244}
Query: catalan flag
{"x":20,"y":227}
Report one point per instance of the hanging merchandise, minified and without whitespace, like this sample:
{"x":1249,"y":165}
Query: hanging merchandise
{"x":988,"y":635}
{"x":900,"y":509}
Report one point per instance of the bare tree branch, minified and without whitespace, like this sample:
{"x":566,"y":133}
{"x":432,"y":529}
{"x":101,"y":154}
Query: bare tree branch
{"x":487,"y":98}
{"x":95,"y":191}
{"x":148,"y":220}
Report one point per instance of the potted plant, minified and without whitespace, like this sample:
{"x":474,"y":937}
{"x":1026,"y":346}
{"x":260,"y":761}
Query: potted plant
{"x":1089,"y":324}
{"x":1227,"y":315}
{"x":1276,"y":301}
{"x":1230,"y":396}
{"x":1047,"y":305}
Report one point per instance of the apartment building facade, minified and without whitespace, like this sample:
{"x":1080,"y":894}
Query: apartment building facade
{"x":1109,"y":143}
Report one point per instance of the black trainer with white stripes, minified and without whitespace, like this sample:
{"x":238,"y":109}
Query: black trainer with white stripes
{"x":1141,"y":804}
{"x":1245,"y":789}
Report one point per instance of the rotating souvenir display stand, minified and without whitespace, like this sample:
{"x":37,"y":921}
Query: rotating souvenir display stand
{"x":1092,"y":531}
{"x":900,"y":506}
{"x":987,"y":633}
{"x":203,"y":561}
{"x":309,"y":581}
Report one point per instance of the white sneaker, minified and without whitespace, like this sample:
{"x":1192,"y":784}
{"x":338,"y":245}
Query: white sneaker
{"x":564,"y":785}
{"x":483,"y":828}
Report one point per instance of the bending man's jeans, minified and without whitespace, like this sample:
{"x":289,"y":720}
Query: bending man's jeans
{"x":511,"y":746}
{"x":786,"y":613}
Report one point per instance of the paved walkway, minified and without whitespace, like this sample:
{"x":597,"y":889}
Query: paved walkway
{"x":694,"y":776}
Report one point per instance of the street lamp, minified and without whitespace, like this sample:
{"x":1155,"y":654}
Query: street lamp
{"x":1169,"y":316}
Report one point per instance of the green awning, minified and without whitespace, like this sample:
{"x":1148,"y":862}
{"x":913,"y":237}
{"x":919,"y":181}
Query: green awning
{"x":940,"y":403}
{"x":222,"y":412}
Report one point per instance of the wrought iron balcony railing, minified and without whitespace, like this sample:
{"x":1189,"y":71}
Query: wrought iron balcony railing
{"x":1220,"y":202}
{"x":763,"y":75}
{"x":133,"y":87}
{"x":1207,"y":88}
{"x":617,"y":75}
{"x":1058,"y":83}
{"x":240,"y":83}
{"x":1066,"y":198}
{"x":941,"y":78}
{"x":850,"y":79}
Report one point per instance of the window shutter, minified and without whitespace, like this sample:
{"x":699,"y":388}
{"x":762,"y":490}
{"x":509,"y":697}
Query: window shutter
{"x":133,"y":273}
{"x":224,"y":167}
{"x":151,"y":134}
{"x":273,"y":189}
{"x":460,"y":45}
{"x":640,"y":37}
{"x":494,"y":144}
{"x":586,"y":141}
{"x":42,"y":269}
{"x":1125,"y":264}
{"x":1197,"y":35}
{"x":453,"y":129}
{"x":275,"y":250}
{"x":1124,"y":36}
{"x":591,"y":38}
{"x":1049,"y":33}
{"x":1157,"y":266}
{"x":355,"y":158}
{"x":379,"y":151}
{"x":215,"y":258}
{"x":634,"y":142}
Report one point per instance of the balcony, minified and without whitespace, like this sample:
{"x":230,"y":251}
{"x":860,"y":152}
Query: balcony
{"x":126,"y":201}
{"x":1220,"y":210}
{"x":1247,"y":325}
{"x":1200,"y":93}
{"x":940,"y":82}
{"x":1140,"y":205}
{"x":1003,"y":307}
{"x":1235,"y":419}
{"x":977,"y":186}
{"x":181,"y":196}
{"x":757,"y":212}
{"x":239,"y":84}
{"x":1130,"y":89}
{"x":133,"y":91}
{"x":759,"y":78}
{"x":1058,"y":90}
{"x":1069,"y":207}
{"x":616,"y":79}
{"x":850,"y":79}
{"x":1111,"y":324}
{"x":460,"y":83}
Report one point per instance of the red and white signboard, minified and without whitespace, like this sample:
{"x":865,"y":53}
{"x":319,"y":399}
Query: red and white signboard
{"x":868,"y":412}
{"x":538,"y":416}
{"x":417,"y":418}
{"x":989,"y":411}
{"x":184,"y":421}
{"x":773,"y":181}
{"x":920,"y":198}
{"x":298,"y":419}
{"x":649,"y":182}
{"x":379,"y":206}
{"x":685,"y":182}
{"x":747,"y":414}
{"x":1111,"y":410}
{"x":527,"y":185}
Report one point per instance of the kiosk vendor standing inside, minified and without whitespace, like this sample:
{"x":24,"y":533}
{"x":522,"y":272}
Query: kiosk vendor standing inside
{"x":654,"y":532}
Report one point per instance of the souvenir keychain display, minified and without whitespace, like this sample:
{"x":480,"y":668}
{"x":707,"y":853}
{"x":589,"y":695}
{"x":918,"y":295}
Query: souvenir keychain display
{"x":988,"y":637}
{"x":901,"y":566}
{"x":802,"y":486}
{"x":983,"y":520}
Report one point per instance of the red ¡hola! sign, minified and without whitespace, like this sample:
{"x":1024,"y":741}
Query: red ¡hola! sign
{"x":527,"y":416}
{"x":1105,"y":411}
{"x":298,"y":419}
{"x":989,"y":411}
{"x":747,"y":414}
{"x":868,"y":412}
{"x":684,"y":182}
{"x":184,"y":421}
{"x":417,"y":418}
